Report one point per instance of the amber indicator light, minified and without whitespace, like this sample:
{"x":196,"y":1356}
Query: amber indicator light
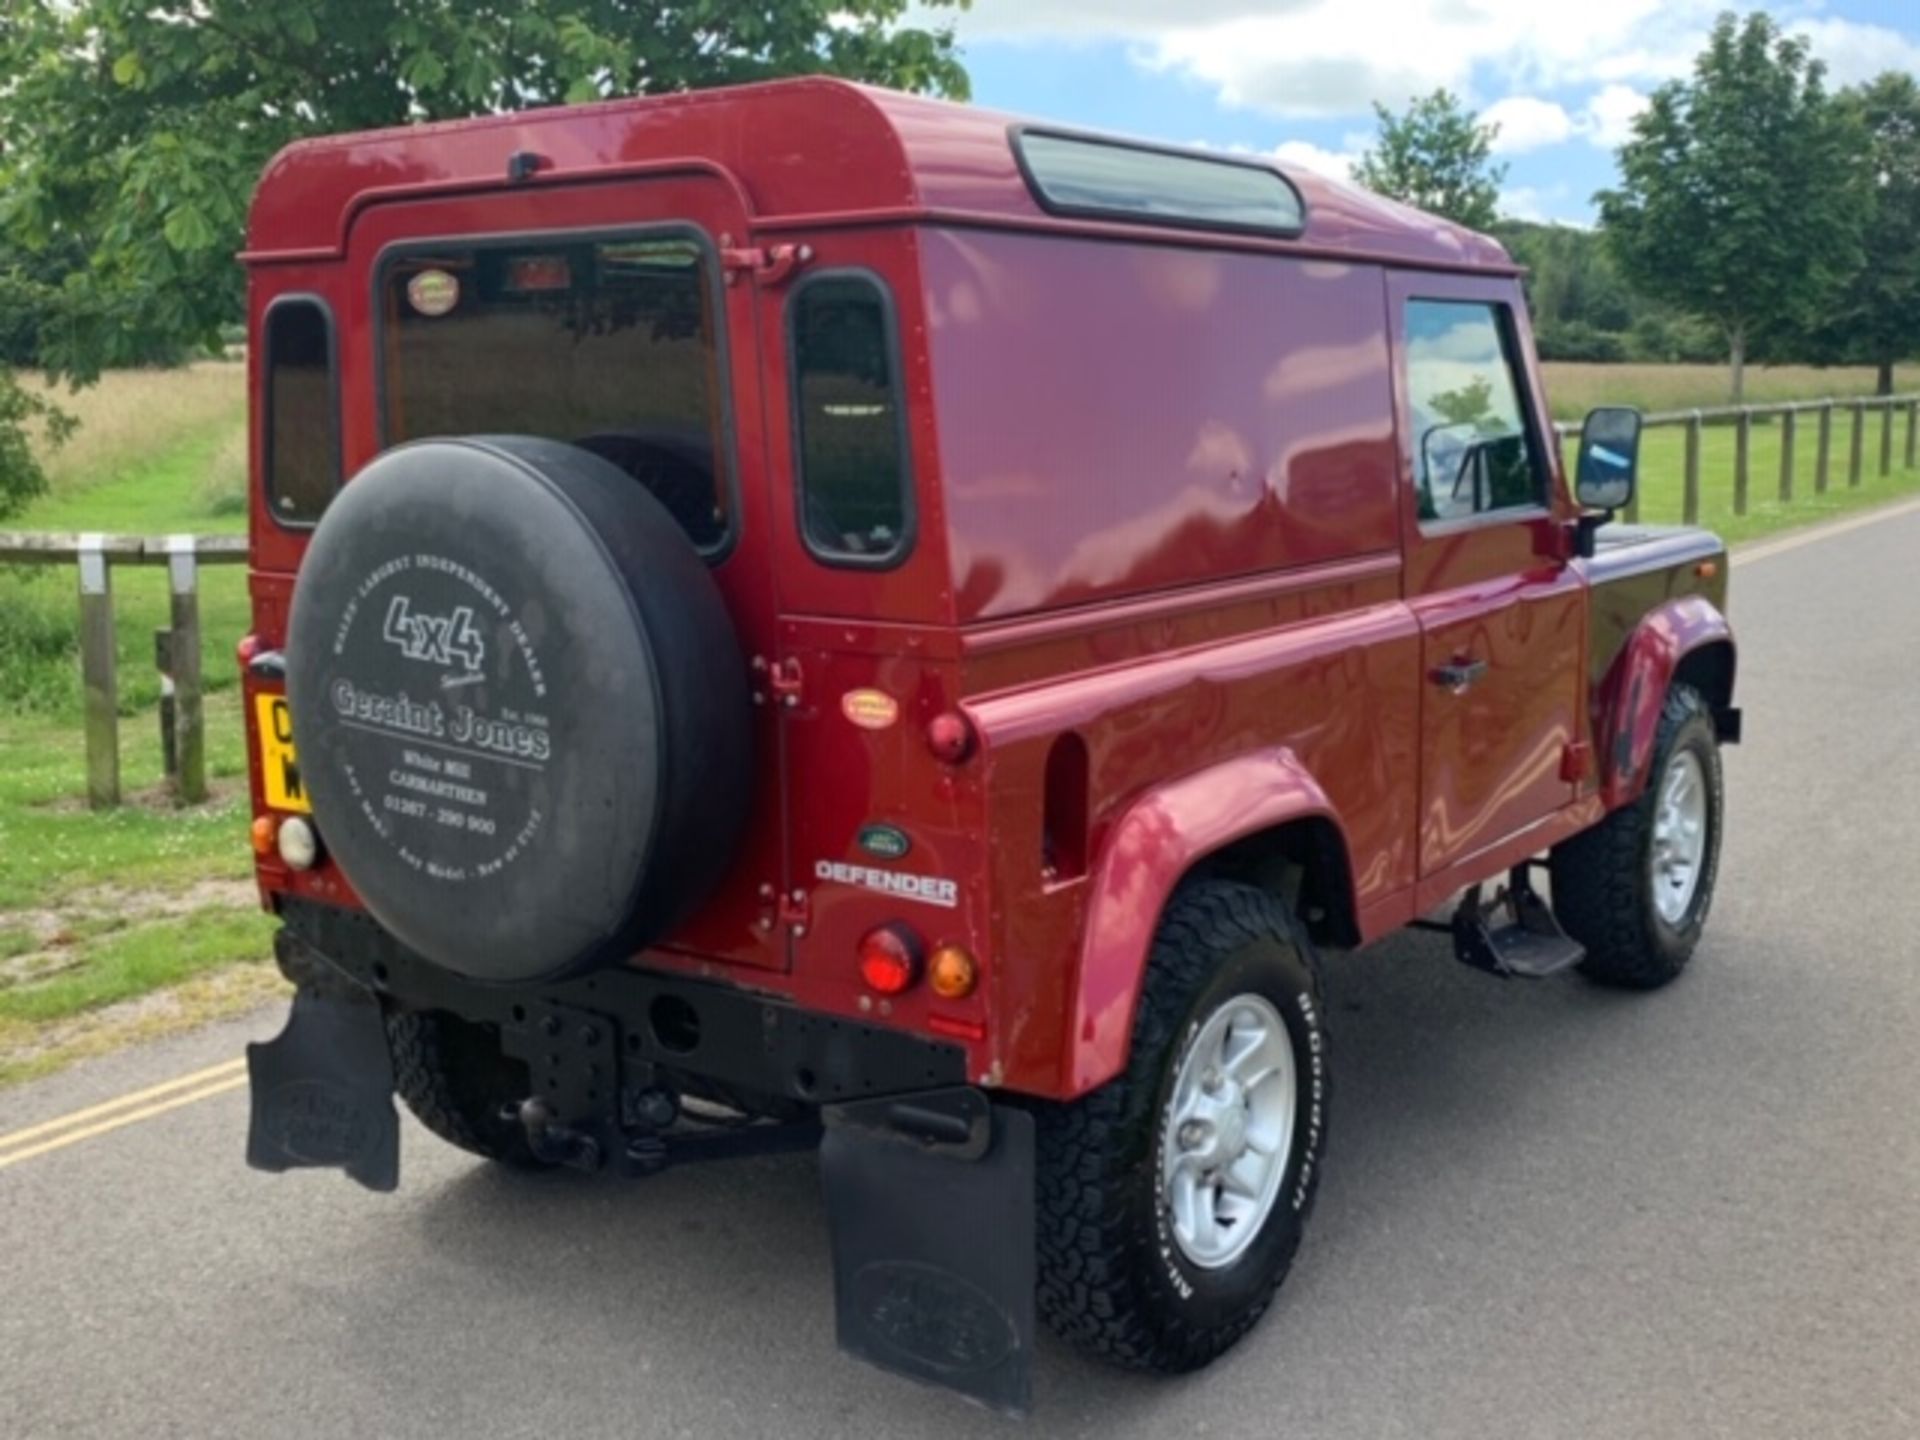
{"x":263,"y":834}
{"x":952,"y":973}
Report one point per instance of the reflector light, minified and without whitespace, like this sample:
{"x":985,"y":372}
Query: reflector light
{"x":952,"y":973}
{"x":889,"y":959}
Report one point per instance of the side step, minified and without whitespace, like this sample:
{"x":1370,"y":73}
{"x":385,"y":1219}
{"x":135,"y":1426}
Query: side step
{"x":1531,"y":945}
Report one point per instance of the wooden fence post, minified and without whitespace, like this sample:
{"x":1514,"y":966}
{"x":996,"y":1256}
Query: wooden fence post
{"x":1886,"y":439}
{"x":1859,"y":442}
{"x":1690,"y":498}
{"x":1742,"y":456}
{"x":1823,"y":452}
{"x":1787,"y":427}
{"x":189,"y":716}
{"x":100,"y":692}
{"x":1913,"y":433}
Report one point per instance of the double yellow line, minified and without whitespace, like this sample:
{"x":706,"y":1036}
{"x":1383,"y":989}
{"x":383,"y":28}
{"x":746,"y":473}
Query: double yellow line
{"x":67,"y":1130}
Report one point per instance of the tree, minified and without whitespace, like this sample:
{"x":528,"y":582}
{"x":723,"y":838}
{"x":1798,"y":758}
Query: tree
{"x":133,"y":130}
{"x":1876,"y":319}
{"x":1436,"y":156}
{"x":1741,"y":197}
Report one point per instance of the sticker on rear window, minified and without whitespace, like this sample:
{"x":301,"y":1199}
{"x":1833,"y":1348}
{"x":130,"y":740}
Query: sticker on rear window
{"x":433,"y":292}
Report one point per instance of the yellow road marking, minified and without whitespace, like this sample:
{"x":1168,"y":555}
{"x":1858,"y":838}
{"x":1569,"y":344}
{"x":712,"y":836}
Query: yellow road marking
{"x":227,"y":1068}
{"x":145,"y":1112}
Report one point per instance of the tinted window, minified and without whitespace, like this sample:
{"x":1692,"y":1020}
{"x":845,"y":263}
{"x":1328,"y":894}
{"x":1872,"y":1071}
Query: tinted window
{"x":303,"y":414}
{"x":1472,"y":452}
{"x":608,"y":344}
{"x":1095,"y":177}
{"x":848,"y":422}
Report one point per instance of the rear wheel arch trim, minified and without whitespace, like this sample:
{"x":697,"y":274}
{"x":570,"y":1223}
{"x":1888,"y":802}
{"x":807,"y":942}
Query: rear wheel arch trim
{"x":1220,"y":818}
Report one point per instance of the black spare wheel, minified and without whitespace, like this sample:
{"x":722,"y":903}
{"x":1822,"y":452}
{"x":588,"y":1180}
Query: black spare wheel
{"x":521,"y":708}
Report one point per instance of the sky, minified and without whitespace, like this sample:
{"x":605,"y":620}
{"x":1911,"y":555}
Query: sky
{"x":1297,"y":78}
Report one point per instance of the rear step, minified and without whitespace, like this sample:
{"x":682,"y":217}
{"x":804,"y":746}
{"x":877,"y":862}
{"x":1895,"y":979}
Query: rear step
{"x":1531,"y":945}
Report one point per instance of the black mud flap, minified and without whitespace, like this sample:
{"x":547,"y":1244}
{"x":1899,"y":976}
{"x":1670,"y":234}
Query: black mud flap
{"x":930,"y":1202}
{"x":323,"y":1091}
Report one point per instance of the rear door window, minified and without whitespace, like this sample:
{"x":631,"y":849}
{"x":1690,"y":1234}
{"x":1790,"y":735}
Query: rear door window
{"x":611,"y":344}
{"x":849,"y":426}
{"x":302,"y":420}
{"x":1473,"y":450}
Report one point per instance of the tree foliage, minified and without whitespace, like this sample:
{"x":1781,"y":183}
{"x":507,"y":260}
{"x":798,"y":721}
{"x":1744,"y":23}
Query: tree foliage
{"x":1875,"y":319}
{"x":1436,"y":155}
{"x":1741,"y":197}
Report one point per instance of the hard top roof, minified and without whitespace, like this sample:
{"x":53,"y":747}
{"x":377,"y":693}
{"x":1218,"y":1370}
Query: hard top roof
{"x":801,"y":152}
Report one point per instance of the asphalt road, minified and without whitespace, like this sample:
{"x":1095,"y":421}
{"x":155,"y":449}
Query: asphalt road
{"x":1548,"y":1210}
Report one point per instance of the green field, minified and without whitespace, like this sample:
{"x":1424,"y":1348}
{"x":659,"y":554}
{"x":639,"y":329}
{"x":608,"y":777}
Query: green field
{"x":98,"y":912}
{"x":144,"y":919}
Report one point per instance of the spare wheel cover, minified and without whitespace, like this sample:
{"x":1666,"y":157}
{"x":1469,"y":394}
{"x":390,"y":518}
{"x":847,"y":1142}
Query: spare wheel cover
{"x":520,"y":707}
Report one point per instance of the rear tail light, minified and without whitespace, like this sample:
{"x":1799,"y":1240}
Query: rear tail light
{"x":889,"y":959}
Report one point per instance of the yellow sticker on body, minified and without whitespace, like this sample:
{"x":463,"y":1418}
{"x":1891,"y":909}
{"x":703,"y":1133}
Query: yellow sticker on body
{"x":279,"y":767}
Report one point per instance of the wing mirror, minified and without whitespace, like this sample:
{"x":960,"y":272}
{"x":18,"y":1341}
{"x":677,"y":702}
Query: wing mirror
{"x":1606,"y":472}
{"x":1609,"y":462}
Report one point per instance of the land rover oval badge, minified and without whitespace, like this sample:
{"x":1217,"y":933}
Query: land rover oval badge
{"x":884,"y":842}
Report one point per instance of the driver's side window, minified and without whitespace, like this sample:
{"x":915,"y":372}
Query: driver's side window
{"x":1472,"y":451}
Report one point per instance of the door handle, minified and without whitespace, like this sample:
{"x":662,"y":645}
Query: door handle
{"x":1458,"y":677}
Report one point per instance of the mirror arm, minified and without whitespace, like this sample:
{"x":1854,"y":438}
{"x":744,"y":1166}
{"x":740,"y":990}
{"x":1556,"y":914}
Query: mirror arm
{"x":1586,"y":529}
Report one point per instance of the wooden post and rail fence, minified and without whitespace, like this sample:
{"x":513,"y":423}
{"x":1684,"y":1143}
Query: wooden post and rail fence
{"x":1742,"y":418}
{"x":177,"y":649}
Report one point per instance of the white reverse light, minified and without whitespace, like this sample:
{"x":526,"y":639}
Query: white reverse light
{"x":299,"y":845}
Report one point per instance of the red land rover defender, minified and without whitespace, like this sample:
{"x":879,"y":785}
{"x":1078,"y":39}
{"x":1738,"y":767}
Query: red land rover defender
{"x":811,"y":616}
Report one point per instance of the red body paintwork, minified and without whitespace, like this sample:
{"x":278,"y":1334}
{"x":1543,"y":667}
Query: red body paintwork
{"x":1168,"y":564}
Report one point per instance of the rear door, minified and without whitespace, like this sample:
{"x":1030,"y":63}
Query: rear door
{"x":1502,"y":613}
{"x":602,"y":316}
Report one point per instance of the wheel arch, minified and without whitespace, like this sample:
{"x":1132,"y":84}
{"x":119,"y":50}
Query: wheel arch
{"x":1685,"y":641}
{"x":1261,"y":818}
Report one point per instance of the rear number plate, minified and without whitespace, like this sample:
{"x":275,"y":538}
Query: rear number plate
{"x":279,"y":767}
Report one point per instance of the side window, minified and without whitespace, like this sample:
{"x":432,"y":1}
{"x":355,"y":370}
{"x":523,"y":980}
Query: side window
{"x":1472,"y":450}
{"x":849,"y":428}
{"x":302,"y":421}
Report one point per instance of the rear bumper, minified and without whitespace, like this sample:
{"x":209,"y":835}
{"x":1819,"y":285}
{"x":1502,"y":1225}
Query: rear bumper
{"x":633,"y":1021}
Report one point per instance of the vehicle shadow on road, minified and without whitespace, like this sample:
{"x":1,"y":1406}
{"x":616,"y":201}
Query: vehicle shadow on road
{"x":718,"y":1276}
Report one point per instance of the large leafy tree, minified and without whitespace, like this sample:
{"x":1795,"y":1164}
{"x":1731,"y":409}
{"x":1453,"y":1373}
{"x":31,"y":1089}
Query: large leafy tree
{"x":1875,"y":319}
{"x":132,"y":131}
{"x":1437,"y":155}
{"x":1742,"y":197}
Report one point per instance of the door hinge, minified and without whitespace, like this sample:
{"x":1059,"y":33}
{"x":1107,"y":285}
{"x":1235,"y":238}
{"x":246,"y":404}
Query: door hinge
{"x":768,"y":264}
{"x":795,"y":912}
{"x":781,"y":678}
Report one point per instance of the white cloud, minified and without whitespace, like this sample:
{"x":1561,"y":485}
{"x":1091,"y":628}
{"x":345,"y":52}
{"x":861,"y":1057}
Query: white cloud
{"x":1855,"y":52}
{"x":1335,"y":164}
{"x":1609,"y":116}
{"x":1337,"y":57}
{"x":1526,"y":123}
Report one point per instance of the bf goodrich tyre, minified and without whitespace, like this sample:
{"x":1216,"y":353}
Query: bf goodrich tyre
{"x":1635,"y":890}
{"x":521,"y":709}
{"x":1172,"y":1199}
